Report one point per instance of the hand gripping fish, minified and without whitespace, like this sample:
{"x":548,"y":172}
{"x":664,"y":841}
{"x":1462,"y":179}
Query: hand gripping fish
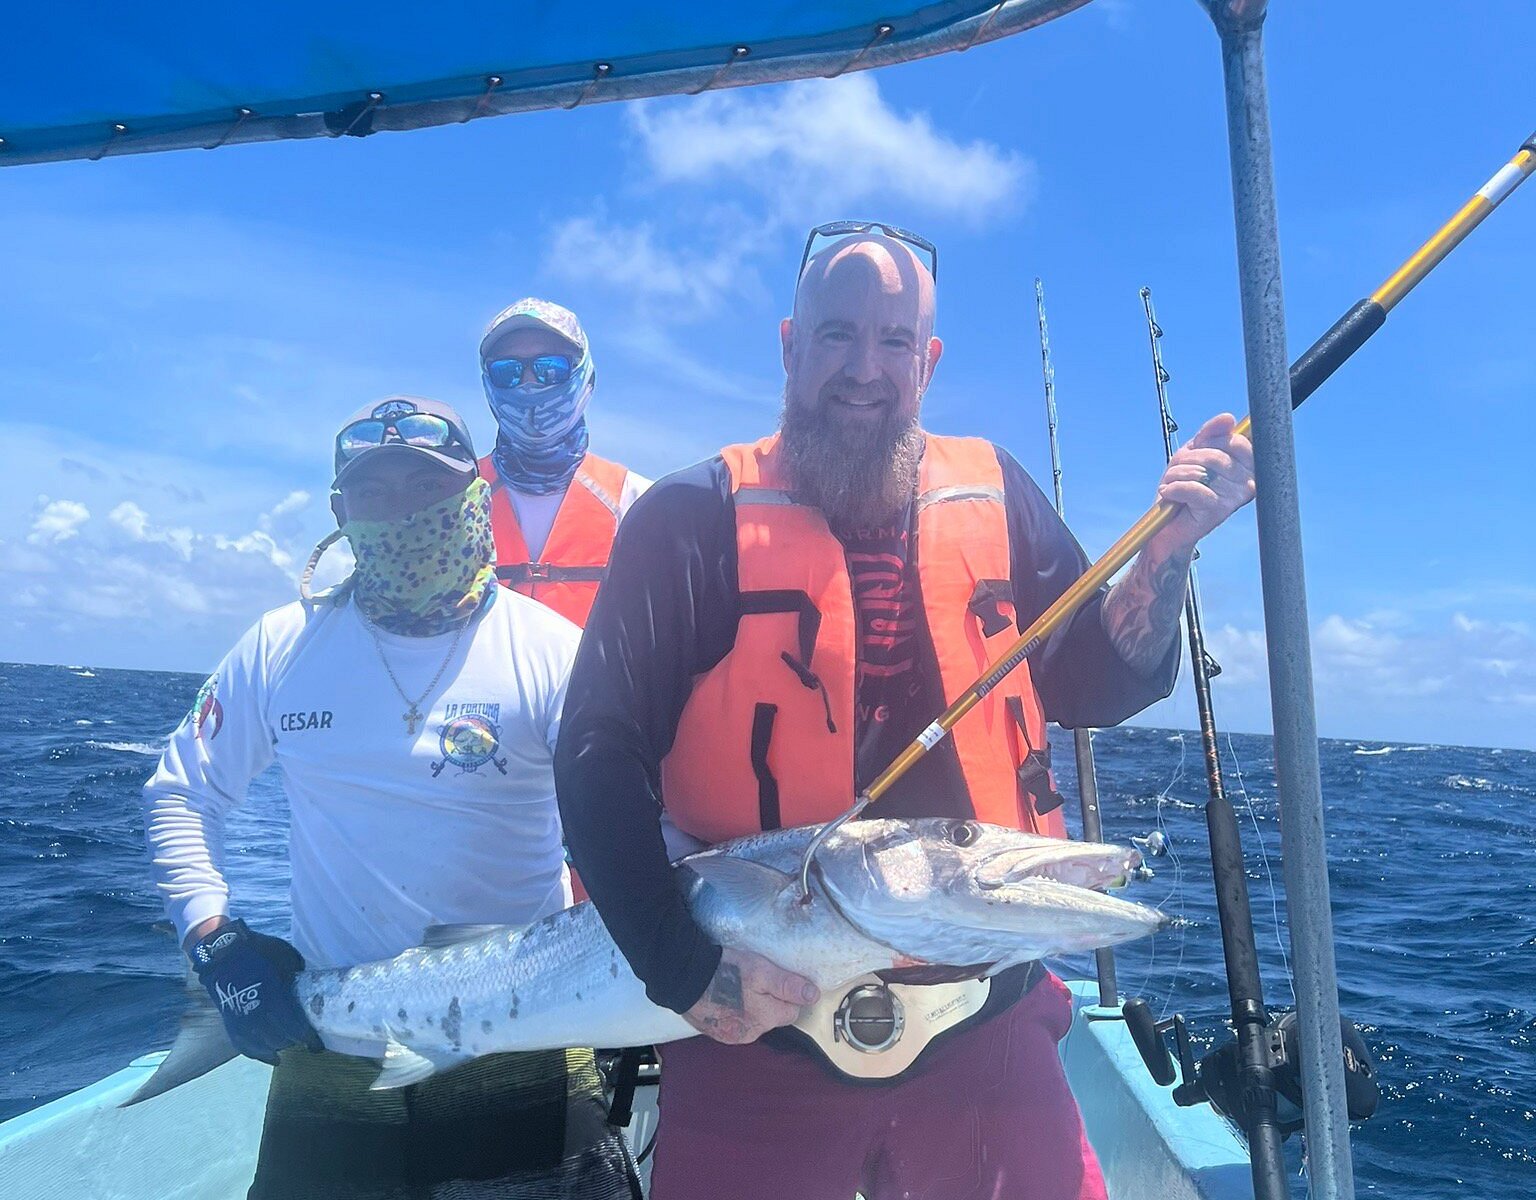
{"x":885,"y":894}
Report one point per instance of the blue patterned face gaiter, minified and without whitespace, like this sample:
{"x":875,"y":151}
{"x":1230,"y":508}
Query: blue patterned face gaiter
{"x":542,"y":434}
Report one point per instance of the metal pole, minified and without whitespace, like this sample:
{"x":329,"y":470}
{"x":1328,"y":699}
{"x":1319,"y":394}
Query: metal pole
{"x":1240,"y":23}
{"x":1082,"y":739}
{"x":1250,"y":1019}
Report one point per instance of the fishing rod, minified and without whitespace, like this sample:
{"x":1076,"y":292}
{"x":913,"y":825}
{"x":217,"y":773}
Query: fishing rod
{"x":1322,"y":359}
{"x":1257,"y":1111}
{"x":1082,"y":739}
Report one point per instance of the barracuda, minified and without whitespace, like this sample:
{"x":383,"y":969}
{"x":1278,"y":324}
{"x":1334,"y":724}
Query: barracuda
{"x":957,"y":897}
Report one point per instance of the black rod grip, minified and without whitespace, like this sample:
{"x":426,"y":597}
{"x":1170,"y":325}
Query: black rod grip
{"x":1329,"y":352}
{"x":1149,"y":1041}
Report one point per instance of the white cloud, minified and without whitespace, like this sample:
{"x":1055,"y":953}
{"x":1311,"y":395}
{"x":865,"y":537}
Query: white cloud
{"x":629,"y":259}
{"x":150,"y":584}
{"x":291,"y":503}
{"x":1240,"y":652}
{"x":177,"y":557}
{"x":57,"y":520}
{"x":285,"y":521}
{"x":824,"y":146}
{"x":725,"y":174}
{"x":1373,"y":681}
{"x":134,"y":521}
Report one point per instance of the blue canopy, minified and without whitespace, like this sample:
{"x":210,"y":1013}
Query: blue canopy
{"x":96,"y":79}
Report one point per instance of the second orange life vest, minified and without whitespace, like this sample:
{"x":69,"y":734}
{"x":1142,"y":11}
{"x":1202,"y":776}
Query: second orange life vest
{"x":575,"y":556}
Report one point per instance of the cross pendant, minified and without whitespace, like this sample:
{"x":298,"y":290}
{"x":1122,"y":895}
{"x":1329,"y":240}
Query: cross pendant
{"x":410,"y":720}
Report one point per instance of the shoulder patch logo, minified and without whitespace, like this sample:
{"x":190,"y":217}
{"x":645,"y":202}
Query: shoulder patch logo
{"x":469,"y":741}
{"x":207,"y":713}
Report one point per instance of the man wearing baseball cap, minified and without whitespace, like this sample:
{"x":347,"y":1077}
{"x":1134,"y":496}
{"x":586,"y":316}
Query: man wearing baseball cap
{"x":555,"y":506}
{"x":413,"y":711}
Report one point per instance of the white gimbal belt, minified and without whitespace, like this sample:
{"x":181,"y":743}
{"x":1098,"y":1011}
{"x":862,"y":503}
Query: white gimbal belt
{"x":869,"y":1028}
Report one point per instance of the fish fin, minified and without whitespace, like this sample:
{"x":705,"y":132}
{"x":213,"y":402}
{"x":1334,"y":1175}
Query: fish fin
{"x":201,"y":1045}
{"x":402,"y":1065}
{"x":746,"y":882}
{"x":436,"y":936}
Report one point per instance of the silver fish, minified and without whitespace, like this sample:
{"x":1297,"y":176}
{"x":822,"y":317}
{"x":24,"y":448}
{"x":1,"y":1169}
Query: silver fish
{"x":884,"y":894}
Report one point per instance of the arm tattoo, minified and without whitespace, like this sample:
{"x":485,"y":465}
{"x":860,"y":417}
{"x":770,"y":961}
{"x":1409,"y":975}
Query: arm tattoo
{"x":725,"y":989}
{"x":1141,"y":612}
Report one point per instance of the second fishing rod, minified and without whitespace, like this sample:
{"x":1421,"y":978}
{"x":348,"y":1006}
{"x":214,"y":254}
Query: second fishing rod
{"x":1258,"y":1108}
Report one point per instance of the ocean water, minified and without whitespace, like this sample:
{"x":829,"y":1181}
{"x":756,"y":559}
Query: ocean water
{"x":1433,"y":877}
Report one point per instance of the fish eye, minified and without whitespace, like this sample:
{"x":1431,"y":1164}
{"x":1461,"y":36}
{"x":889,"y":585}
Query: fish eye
{"x":964,"y":833}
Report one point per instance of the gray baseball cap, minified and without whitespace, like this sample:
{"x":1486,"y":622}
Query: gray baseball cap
{"x":373,"y":430}
{"x":533,"y":313}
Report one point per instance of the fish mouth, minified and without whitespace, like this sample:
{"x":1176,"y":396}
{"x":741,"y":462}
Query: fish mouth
{"x":1095,"y":871}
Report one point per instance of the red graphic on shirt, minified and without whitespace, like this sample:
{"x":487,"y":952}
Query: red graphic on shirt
{"x":207,"y":712}
{"x":887,"y":615}
{"x":885,"y":604}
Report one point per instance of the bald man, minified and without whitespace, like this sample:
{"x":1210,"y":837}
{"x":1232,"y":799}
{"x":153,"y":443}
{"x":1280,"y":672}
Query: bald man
{"x":783,"y":620}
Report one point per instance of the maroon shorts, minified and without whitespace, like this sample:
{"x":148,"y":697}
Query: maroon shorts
{"x":986,"y":1116}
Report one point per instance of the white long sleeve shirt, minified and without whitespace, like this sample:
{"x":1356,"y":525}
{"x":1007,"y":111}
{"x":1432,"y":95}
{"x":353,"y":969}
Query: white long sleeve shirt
{"x":390,"y":832}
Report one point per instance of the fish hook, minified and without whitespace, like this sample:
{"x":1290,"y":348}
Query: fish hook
{"x":821,"y":836}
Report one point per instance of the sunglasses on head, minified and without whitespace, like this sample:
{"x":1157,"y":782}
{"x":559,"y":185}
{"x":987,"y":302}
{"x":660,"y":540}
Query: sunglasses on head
{"x":413,"y":429}
{"x":548,"y":370}
{"x":837,"y":229}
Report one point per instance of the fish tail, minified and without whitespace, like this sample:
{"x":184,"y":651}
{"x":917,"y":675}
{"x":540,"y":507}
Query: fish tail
{"x":201,"y":1045}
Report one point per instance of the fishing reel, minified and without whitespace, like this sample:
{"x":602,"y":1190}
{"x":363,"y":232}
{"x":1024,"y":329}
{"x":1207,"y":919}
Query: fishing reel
{"x":1217,"y":1079}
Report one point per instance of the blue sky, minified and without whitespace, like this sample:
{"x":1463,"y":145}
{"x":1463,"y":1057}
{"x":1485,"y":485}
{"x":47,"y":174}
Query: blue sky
{"x":181,"y":333}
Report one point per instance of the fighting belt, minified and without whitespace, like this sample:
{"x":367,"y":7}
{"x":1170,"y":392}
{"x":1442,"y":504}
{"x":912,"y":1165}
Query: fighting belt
{"x":869,"y":1029}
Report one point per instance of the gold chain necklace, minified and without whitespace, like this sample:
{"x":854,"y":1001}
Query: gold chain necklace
{"x":412,"y":714}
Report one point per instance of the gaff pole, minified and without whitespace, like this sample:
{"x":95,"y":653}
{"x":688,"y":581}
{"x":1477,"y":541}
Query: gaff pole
{"x":1307,"y":373}
{"x":1250,"y":1019}
{"x":1082,"y":739}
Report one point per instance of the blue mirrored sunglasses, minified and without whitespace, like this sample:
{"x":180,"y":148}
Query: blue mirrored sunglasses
{"x":548,"y":370}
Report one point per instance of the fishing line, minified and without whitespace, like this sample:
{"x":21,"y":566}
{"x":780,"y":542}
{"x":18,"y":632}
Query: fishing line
{"x":1258,"y":836}
{"x":1173,"y":897}
{"x":1178,"y":881}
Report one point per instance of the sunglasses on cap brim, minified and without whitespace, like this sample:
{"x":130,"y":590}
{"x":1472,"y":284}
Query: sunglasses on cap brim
{"x":422,"y":430}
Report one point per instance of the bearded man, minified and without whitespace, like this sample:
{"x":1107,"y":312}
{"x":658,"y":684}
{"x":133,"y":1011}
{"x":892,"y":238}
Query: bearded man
{"x":780,"y":622}
{"x":413,"y":712}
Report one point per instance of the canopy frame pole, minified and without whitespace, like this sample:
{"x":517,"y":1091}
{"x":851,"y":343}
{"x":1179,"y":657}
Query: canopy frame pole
{"x":1240,"y":24}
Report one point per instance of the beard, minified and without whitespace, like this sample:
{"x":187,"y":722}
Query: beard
{"x":860,"y":474}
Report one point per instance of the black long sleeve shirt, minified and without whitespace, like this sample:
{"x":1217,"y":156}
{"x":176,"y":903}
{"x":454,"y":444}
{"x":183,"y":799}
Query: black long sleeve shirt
{"x":668,"y":612}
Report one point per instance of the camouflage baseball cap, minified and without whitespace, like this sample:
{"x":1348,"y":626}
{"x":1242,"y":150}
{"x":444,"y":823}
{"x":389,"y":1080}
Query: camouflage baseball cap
{"x":533,"y":313}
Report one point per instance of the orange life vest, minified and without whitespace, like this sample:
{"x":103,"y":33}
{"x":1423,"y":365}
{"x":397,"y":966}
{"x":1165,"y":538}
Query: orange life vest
{"x":766,"y":739}
{"x":575,"y":556}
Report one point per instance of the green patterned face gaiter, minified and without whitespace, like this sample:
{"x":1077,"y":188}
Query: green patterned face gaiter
{"x":426,"y":573}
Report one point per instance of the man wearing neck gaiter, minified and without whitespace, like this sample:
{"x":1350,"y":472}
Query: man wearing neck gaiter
{"x":555,"y":506}
{"x":413,"y":712}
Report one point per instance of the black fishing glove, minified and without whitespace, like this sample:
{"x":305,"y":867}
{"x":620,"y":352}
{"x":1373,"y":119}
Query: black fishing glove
{"x":250,"y":977}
